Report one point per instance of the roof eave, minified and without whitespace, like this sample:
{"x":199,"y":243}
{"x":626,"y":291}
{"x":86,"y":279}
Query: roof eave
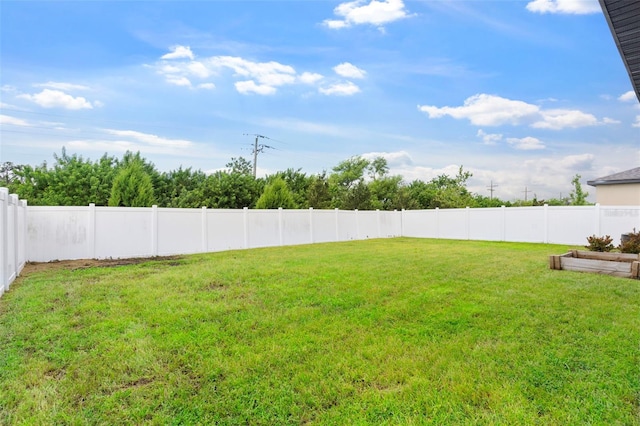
{"x":605,"y":11}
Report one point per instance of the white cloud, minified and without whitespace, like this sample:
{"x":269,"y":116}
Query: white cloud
{"x":178,"y":81}
{"x":340,"y":89}
{"x":198,"y":69}
{"x":267,"y":73}
{"x":250,"y":86}
{"x":8,"y":88}
{"x":376,"y":13}
{"x":394,"y":159}
{"x":56,"y":99}
{"x":576,"y":7}
{"x":570,"y":163}
{"x":294,"y":124}
{"x":179,"y":52}
{"x":150,"y":139}
{"x":629,"y":96}
{"x":348,"y":70}
{"x":491,"y":110}
{"x":6,"y":119}
{"x":637,"y":122}
{"x":486,"y":110}
{"x":262,"y":78}
{"x":557,"y":119}
{"x":607,"y":120}
{"x":489,"y":138}
{"x":68,"y":87}
{"x":310,"y":77}
{"x":526,"y":144}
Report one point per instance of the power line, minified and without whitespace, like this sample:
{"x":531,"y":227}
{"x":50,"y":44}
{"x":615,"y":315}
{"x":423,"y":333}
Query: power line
{"x":490,"y":188}
{"x":258,"y":148}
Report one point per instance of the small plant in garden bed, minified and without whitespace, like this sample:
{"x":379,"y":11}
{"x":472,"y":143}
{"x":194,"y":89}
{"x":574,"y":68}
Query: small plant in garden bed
{"x":631,"y":243}
{"x":602,"y":244}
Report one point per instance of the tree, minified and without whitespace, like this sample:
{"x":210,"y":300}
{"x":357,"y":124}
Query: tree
{"x":8,"y":173}
{"x":132,"y":187}
{"x":318,"y":195}
{"x":357,"y":198}
{"x":347,"y":175}
{"x":240,"y":165}
{"x":182,"y":188}
{"x":275,"y":195}
{"x":72,"y":181}
{"x":378,"y":168}
{"x":578,"y":197}
{"x":384,"y":192}
{"x":223,"y":190}
{"x":298,"y":184}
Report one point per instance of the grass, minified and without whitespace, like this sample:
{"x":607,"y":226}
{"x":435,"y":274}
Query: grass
{"x":399,"y":331}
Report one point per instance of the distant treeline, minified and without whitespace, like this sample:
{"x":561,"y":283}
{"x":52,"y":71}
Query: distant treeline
{"x":132,"y":181}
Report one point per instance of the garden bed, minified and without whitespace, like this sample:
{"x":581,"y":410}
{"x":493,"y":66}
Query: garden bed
{"x":618,"y":264}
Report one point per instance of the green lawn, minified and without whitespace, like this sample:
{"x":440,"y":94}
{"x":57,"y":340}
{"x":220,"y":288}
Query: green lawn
{"x":393,"y":331}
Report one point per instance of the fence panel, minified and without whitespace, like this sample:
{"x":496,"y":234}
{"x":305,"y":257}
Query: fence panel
{"x":525,"y":224}
{"x":571,"y":224}
{"x":57,"y":233}
{"x":452,"y":223}
{"x":615,"y":221}
{"x":13,"y":235}
{"x":108,"y":232}
{"x":122,"y":232}
{"x":179,"y":231}
{"x":390,"y":224}
{"x":225,"y":230}
{"x":420,"y":223}
{"x":486,"y":224}
{"x":324,"y":226}
{"x":263,"y":228}
{"x":367,"y":225}
{"x":296,"y":226}
{"x":347,"y":225}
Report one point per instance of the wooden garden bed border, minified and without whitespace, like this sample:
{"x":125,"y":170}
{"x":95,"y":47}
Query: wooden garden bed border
{"x":619,"y":264}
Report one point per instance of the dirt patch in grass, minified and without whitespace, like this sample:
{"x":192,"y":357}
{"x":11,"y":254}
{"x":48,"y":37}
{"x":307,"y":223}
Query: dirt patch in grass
{"x":35,"y":267}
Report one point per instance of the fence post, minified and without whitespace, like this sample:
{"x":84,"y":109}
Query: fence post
{"x":546,"y":223}
{"x":280,"y":227}
{"x":437,"y":222}
{"x":91,"y":231}
{"x":245,"y":222}
{"x":357,"y":225}
{"x":598,"y":228}
{"x":379,"y":225}
{"x":337,"y":216}
{"x":205,"y":230}
{"x":311,"y":225}
{"x":402,"y":222}
{"x":25,"y":227}
{"x":154,"y":230}
{"x":4,"y":233}
{"x":467,"y":219}
{"x":504,"y":223}
{"x":16,"y":234}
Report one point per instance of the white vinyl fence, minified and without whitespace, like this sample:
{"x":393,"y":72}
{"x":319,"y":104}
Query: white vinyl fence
{"x":13,"y":231}
{"x":57,"y":233}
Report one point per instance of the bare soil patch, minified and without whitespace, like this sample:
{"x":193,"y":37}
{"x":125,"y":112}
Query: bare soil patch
{"x":36,"y":267}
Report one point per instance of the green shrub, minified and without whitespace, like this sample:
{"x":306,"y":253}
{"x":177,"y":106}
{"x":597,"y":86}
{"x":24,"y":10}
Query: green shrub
{"x":599,"y":243}
{"x":632,"y":245}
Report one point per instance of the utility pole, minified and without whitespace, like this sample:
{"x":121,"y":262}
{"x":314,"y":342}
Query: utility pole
{"x":490,"y":188}
{"x":256,"y":149}
{"x":526,"y":192}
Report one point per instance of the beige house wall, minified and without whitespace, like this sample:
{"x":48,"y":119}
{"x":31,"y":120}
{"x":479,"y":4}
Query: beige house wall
{"x":627,"y":194}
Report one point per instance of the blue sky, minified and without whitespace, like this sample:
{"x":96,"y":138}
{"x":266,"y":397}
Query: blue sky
{"x":524,"y":94}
